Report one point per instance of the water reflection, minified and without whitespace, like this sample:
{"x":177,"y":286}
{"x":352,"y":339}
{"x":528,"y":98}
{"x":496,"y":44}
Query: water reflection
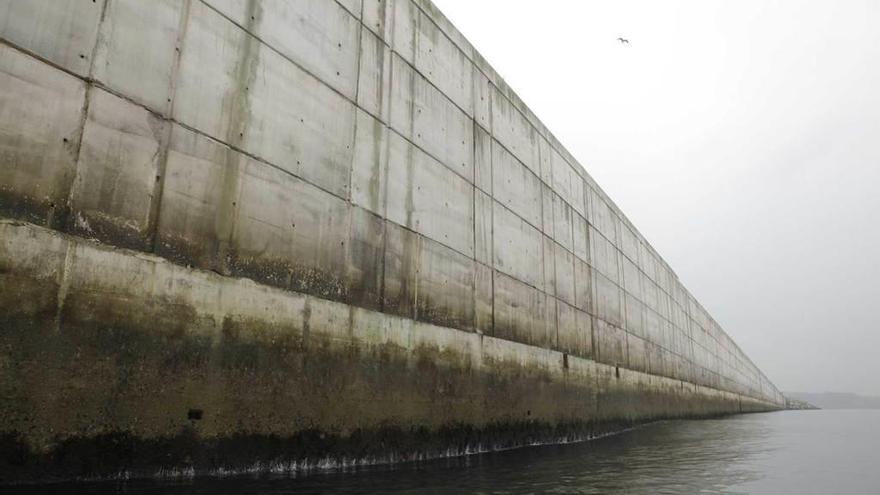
{"x":787,"y":452}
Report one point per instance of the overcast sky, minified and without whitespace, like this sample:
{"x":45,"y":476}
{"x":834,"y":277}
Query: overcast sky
{"x":742,"y":138}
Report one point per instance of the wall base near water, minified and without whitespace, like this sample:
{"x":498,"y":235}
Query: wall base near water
{"x":114,"y":361}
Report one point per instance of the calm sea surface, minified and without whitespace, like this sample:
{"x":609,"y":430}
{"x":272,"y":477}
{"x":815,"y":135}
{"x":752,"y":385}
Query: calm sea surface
{"x":799,"y":452}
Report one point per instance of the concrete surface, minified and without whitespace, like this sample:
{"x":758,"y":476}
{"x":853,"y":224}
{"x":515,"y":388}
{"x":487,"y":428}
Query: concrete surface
{"x":291,"y":234}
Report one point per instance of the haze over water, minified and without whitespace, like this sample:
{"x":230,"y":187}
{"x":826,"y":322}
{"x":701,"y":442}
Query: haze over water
{"x":798,"y":452}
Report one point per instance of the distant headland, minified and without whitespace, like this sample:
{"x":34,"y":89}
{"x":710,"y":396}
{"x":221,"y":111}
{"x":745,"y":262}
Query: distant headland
{"x":834,"y":400}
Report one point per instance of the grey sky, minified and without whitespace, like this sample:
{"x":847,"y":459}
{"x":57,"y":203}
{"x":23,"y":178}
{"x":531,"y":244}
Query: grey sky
{"x":743,"y":140}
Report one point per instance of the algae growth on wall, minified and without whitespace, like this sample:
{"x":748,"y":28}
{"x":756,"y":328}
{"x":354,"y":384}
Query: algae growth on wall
{"x":281,"y":232}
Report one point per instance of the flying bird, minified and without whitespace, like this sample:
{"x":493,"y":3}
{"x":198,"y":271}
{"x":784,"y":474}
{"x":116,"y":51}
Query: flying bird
{"x":623,"y":41}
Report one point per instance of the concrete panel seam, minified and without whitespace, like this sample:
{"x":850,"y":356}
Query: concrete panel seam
{"x":156,"y":206}
{"x":64,"y":223}
{"x":228,"y":141}
{"x":97,"y":38}
{"x":542,"y":129}
{"x":250,"y":33}
{"x":75,"y":242}
{"x":708,"y":340}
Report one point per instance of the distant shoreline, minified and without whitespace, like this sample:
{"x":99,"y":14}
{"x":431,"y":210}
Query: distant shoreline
{"x":836,"y":400}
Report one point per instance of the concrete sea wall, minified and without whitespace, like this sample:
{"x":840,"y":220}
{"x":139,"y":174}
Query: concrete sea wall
{"x":281,"y":234}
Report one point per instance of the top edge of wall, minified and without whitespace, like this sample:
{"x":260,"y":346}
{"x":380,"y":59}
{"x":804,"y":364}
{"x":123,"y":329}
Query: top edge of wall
{"x":457,"y":37}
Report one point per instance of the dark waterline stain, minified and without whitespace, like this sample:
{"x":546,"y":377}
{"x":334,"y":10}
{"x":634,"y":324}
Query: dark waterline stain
{"x":802,"y":452}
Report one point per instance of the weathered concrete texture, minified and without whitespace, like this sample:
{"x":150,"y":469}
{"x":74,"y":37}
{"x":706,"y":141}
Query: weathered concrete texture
{"x":111,"y":349}
{"x":374,"y":177}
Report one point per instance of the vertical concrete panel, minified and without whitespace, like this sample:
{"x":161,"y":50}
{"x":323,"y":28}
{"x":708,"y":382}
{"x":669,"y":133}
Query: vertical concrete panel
{"x":442,"y":129}
{"x":678,"y":293}
{"x":602,"y":218}
{"x":41,"y":111}
{"x":482,"y":100}
{"x":547,"y":225}
{"x":402,"y":96}
{"x":696,"y":334}
{"x":650,"y":292}
{"x":118,"y":172}
{"x":483,"y":298}
{"x":565,"y":278}
{"x":603,"y":256}
{"x":562,"y":223}
{"x":572,"y":336}
{"x":444,"y":65}
{"x":365,"y":255}
{"x":637,"y":353}
{"x":513,"y":130}
{"x":681,"y":321}
{"x":634,"y":322}
{"x":611,"y":342}
{"x":369,"y":173}
{"x":653,"y":330}
{"x":515,"y":186}
{"x":664,"y":276}
{"x":433,"y":13}
{"x":629,"y":243}
{"x":585,"y":328}
{"x":545,"y":333}
{"x":428,"y":197}
{"x":299,"y":124}
{"x":199,"y":189}
{"x":216,"y":63}
{"x":399,"y":190}
{"x":657,"y":361}
{"x":608,"y":299}
{"x":646,"y":261}
{"x":566,"y":182}
{"x":676,"y":340}
{"x":663,"y":304}
{"x":290,"y":233}
{"x":483,"y":160}
{"x":445,"y":294}
{"x":374,"y":79}
{"x":61,"y":31}
{"x":549,"y":268}
{"x":632,"y":278}
{"x":578,"y":191}
{"x":318,"y":35}
{"x":483,"y":227}
{"x":377,"y":17}
{"x":589,"y":192}
{"x":404,"y":28}
{"x":402,"y":251}
{"x":521,"y":313}
{"x":580,"y":241}
{"x":137,"y":49}
{"x":517,"y":246}
{"x":677,"y":364}
{"x":583,"y":286}
{"x":546,"y":155}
